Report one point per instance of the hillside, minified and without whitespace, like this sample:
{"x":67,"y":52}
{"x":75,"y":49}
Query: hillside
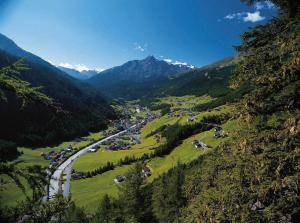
{"x":78,"y":107}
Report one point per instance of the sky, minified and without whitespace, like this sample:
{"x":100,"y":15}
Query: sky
{"x":99,"y":34}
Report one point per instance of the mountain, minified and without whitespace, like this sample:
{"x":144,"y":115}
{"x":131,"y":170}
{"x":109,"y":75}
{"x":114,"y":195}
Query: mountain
{"x":116,"y":81}
{"x":211,"y":79}
{"x":77,"y":109}
{"x":83,"y":75}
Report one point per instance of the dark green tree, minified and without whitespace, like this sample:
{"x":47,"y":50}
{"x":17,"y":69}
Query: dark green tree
{"x":105,"y":211}
{"x":132,"y":195}
{"x":168,"y":197}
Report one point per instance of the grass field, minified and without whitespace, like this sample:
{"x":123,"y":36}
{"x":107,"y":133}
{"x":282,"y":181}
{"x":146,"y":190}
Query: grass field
{"x":88,"y":192}
{"x":11,"y":194}
{"x":91,"y":161}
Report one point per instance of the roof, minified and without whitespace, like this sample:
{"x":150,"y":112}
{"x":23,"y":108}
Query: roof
{"x":146,"y":169}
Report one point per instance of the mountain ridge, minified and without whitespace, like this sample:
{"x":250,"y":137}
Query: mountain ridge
{"x":85,"y":109}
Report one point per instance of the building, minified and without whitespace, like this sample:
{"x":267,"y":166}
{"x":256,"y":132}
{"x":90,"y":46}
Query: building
{"x":199,"y":144}
{"x":119,"y":179}
{"x":146,"y":171}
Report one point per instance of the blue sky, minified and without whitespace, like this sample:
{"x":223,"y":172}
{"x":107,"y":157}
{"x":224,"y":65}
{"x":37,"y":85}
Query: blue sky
{"x":105,"y":33}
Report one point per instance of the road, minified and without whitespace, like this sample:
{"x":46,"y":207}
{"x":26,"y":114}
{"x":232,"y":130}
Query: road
{"x":54,"y":186}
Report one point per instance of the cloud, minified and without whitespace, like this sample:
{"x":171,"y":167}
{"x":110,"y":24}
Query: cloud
{"x":140,"y":47}
{"x":253,"y":17}
{"x":246,"y":16}
{"x":259,"y":6}
{"x":178,"y":63}
{"x":66,"y":65}
{"x":235,"y":15}
{"x":270,"y":5}
{"x":264,"y":5}
{"x":168,"y":60}
{"x":99,"y":70}
{"x":78,"y":67}
{"x":49,"y":61}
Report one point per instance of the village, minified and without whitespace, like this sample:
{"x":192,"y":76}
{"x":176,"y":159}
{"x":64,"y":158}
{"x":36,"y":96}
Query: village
{"x":133,"y":121}
{"x":124,"y":141}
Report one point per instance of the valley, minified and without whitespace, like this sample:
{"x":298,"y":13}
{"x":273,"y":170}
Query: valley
{"x":110,"y":129}
{"x":88,"y":192}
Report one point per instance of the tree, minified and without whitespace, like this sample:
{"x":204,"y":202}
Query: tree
{"x":168,"y":196}
{"x":132,"y":194}
{"x":105,"y":210}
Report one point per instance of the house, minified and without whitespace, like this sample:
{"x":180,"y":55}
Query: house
{"x":119,"y":179}
{"x":218,"y":129}
{"x":190,"y":119}
{"x":219,"y":132}
{"x":52,"y":156}
{"x":114,"y":147}
{"x":136,"y":138}
{"x":146,"y":171}
{"x":199,"y":144}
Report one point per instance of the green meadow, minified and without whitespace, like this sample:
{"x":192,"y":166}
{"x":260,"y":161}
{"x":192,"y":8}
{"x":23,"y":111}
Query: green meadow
{"x":88,"y":192}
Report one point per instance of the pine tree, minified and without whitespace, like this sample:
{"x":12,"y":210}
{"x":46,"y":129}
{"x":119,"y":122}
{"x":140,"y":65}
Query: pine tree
{"x":132,"y":194}
{"x":104,"y":212}
{"x":168,"y":196}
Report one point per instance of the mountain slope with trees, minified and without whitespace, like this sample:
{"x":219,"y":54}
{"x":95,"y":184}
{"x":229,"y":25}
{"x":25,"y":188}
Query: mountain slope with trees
{"x":46,"y":106}
{"x":251,"y":177}
{"x":255,"y":176}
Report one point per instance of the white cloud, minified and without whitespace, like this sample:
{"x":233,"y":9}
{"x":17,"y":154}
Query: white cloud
{"x":81,"y":67}
{"x":66,"y":65}
{"x":78,"y":67}
{"x":237,"y":15}
{"x":99,"y":70}
{"x":178,"y":63}
{"x":259,"y":5}
{"x":49,"y":61}
{"x":246,"y":16}
{"x":264,"y":5}
{"x":140,"y":47}
{"x":168,"y":60}
{"x":269,"y":5}
{"x":253,"y":17}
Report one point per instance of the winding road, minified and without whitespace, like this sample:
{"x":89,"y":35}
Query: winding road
{"x":66,"y":168}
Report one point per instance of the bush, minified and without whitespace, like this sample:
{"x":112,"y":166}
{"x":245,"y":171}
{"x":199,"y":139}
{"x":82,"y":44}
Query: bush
{"x":8,"y":151}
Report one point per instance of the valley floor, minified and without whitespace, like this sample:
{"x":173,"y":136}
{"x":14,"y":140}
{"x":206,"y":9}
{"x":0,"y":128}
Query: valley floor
{"x":88,"y":192}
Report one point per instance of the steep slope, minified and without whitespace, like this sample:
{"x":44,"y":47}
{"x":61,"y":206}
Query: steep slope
{"x":78,"y":107}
